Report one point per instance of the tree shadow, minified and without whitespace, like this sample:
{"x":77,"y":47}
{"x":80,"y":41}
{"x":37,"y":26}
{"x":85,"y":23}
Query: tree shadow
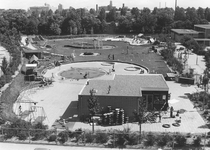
{"x":205,"y":126}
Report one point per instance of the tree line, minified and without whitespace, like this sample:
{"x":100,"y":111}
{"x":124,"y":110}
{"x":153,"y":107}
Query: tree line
{"x":82,"y":21}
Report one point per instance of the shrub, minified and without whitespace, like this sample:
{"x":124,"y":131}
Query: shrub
{"x":89,"y":137}
{"x":180,"y":140}
{"x":121,"y":142}
{"x":101,"y":137}
{"x":63,"y":137}
{"x":197,"y":141}
{"x":164,"y":140}
{"x":149,"y":140}
{"x":22,"y":135}
{"x":39,"y":132}
{"x":76,"y":134}
{"x":52,"y":138}
{"x":132,"y":138}
{"x":9,"y":133}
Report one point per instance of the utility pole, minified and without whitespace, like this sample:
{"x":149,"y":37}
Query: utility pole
{"x":175,"y":4}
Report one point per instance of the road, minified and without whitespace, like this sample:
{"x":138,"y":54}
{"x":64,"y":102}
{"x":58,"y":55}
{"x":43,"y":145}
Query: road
{"x":13,"y":146}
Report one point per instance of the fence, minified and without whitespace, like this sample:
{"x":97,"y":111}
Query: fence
{"x":100,"y":138}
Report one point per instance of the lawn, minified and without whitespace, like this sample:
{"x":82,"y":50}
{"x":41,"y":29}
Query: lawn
{"x":136,"y":54}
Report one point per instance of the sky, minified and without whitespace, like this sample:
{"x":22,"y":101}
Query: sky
{"x":25,"y":4}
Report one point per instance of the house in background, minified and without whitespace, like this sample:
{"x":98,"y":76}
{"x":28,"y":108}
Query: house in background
{"x":204,"y":34}
{"x":201,"y":34}
{"x":125,"y":92}
{"x":177,"y":34}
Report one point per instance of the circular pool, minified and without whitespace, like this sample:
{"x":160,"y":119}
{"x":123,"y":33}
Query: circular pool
{"x":82,"y":73}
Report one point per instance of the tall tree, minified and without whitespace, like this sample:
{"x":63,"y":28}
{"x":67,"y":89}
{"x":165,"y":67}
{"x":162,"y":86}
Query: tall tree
{"x":4,"y":65}
{"x":180,"y":14}
{"x":201,"y":13}
{"x":32,"y":27}
{"x":102,"y":14}
{"x":164,"y":20}
{"x":135,"y":12}
{"x":92,"y":11}
{"x":111,"y":16}
{"x":147,"y":21}
{"x":123,"y":11}
{"x":207,"y":14}
{"x":93,"y":106}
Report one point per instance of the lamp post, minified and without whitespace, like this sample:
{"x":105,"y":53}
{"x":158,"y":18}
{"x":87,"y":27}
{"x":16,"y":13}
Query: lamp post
{"x":196,"y":59}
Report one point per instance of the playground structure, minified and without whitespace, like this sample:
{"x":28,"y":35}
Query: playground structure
{"x":26,"y":108}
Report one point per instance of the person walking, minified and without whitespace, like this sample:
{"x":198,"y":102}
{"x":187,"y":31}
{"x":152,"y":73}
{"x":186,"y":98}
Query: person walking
{"x":171,"y":112}
{"x":160,"y":117}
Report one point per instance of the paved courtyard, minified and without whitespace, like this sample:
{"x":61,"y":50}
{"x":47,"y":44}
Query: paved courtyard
{"x":60,"y":99}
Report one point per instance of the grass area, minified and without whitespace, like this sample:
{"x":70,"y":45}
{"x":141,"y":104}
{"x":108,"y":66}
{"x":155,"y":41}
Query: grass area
{"x":136,"y":54}
{"x":82,"y":73}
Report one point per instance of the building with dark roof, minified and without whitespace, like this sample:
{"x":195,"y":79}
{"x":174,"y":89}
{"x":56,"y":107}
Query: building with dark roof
{"x":125,"y":91}
{"x":28,"y":53}
{"x":177,"y":34}
{"x":201,"y":33}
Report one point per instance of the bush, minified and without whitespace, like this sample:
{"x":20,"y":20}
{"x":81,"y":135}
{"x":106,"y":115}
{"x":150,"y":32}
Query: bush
{"x":52,"y":138}
{"x":197,"y":141}
{"x":22,"y":135}
{"x":63,"y":137}
{"x":149,"y":140}
{"x":121,"y":142}
{"x":89,"y":137}
{"x":40,"y":131}
{"x":101,"y":137}
{"x":180,"y":141}
{"x":133,"y":139}
{"x":163,"y":140}
{"x":76,"y":134}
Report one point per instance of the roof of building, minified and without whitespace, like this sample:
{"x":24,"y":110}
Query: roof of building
{"x":184,"y":31}
{"x":205,"y":26}
{"x":201,"y":39}
{"x":28,"y":50}
{"x":126,"y":85}
{"x":33,"y":58}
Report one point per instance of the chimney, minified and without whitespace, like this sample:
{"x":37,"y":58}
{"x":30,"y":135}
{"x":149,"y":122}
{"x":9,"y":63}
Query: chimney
{"x":96,"y":7}
{"x":175,"y":4}
{"x":110,"y":4}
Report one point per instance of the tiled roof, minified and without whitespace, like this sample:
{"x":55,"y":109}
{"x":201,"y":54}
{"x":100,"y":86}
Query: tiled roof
{"x":127,"y":85}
